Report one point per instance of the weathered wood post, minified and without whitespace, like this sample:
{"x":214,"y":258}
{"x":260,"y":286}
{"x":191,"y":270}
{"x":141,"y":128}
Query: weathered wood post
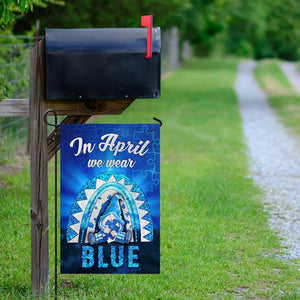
{"x":39,"y":173}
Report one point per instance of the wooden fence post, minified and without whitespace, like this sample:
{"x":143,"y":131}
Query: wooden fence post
{"x":39,"y":173}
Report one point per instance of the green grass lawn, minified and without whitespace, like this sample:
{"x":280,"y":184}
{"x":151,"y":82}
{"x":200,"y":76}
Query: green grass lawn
{"x":215,"y":241}
{"x":281,"y":94}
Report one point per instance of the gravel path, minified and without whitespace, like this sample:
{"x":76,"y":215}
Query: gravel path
{"x":291,"y":72}
{"x":275,"y":162}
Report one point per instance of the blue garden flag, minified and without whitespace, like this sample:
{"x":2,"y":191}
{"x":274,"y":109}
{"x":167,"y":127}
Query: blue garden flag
{"x":110,"y":189}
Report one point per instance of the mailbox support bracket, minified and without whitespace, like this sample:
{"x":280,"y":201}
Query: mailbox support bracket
{"x":42,"y":148}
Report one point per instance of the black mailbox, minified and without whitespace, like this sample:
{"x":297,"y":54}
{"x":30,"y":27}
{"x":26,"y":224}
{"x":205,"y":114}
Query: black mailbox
{"x":102,"y":64}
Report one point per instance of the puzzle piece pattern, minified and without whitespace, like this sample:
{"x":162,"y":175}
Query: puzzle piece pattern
{"x":151,"y":174}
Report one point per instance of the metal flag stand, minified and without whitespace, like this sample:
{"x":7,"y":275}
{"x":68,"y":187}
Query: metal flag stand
{"x":158,"y":120}
{"x":55,"y":138}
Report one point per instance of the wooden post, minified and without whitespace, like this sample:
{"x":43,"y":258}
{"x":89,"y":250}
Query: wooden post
{"x":39,"y":173}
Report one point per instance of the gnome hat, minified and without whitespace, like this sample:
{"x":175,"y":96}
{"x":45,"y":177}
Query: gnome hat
{"x":113,"y":207}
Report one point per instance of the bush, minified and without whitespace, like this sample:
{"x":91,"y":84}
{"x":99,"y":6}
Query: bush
{"x":244,"y":49}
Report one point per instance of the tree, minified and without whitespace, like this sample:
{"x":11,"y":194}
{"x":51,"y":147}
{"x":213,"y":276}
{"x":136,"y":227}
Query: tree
{"x":283,"y":33}
{"x":11,"y":10}
{"x":246,"y":26}
{"x":201,"y":21}
{"x":256,"y":28}
{"x":103,"y":13}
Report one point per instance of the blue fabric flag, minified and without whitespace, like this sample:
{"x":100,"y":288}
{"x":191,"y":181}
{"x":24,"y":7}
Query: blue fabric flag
{"x":110,"y":198}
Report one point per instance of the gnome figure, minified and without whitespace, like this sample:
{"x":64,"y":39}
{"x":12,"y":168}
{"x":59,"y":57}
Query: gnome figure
{"x":111,"y":225}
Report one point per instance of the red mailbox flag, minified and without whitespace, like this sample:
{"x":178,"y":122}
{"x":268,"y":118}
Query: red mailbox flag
{"x":147,"y":21}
